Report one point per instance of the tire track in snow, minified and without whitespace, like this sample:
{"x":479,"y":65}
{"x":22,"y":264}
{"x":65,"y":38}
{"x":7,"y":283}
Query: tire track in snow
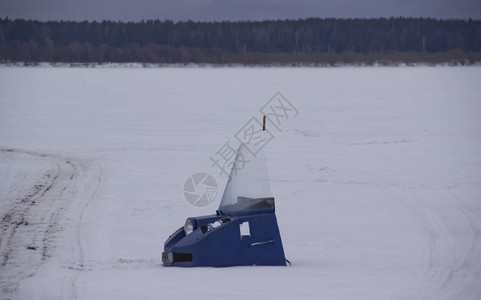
{"x":448,"y":280}
{"x":29,"y":222}
{"x":432,"y":230}
{"x":429,"y":226}
{"x":17,"y":214}
{"x":47,"y":217}
{"x":471,"y":264}
{"x":80,"y":263}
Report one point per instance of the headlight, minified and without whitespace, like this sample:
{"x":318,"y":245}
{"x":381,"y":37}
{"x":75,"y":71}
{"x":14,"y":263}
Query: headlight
{"x":189,"y":226}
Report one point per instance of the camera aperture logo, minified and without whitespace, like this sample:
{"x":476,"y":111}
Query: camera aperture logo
{"x":200,"y":189}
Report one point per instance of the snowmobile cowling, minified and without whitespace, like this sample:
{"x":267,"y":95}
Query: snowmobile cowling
{"x":221,"y":240}
{"x":243,"y":231}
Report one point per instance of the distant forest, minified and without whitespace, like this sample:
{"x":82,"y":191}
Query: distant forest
{"x":284,"y":42}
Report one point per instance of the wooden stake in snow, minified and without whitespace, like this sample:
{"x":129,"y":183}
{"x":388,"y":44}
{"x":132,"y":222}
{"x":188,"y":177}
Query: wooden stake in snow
{"x":264,"y":123}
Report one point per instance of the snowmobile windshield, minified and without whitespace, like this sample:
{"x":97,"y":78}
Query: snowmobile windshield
{"x":248,"y":187}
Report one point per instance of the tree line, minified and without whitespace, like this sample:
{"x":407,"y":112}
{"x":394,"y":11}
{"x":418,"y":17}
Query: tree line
{"x":310,"y":40}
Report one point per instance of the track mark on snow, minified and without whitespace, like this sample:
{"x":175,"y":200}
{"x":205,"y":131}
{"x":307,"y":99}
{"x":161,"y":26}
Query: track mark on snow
{"x":32,"y":222}
{"x":448,"y":278}
{"x":430,"y":227}
{"x":80,"y":261}
{"x":467,"y":274}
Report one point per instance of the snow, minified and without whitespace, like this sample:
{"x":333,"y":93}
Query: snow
{"x":377,"y":180}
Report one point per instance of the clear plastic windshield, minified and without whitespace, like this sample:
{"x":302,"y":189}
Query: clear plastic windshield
{"x":248,"y":186}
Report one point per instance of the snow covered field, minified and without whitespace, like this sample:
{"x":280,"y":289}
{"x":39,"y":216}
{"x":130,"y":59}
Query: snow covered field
{"x":377,"y":180}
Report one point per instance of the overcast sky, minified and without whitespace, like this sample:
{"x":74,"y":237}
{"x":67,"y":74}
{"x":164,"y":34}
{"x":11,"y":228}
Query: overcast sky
{"x":208,"y":10}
